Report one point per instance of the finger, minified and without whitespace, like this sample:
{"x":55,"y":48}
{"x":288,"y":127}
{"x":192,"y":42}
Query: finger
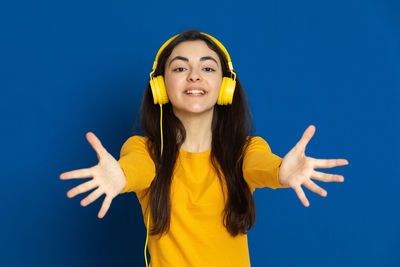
{"x":92,"y":197}
{"x":82,"y":188}
{"x":96,"y":144}
{"x":308,"y":133}
{"x":300,"y":194}
{"x":326,"y":177}
{"x":104,"y":208}
{"x":329,"y":163}
{"x":315,"y":188}
{"x":77,"y":174}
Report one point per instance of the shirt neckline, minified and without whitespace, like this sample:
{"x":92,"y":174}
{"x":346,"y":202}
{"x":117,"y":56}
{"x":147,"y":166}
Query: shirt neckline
{"x":188,"y":154}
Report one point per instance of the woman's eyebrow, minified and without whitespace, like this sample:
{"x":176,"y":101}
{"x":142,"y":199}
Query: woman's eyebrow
{"x":187,"y":60}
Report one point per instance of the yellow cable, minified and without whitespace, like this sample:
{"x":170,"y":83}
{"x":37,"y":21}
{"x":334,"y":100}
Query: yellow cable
{"x":147,"y":237}
{"x":148,"y":217}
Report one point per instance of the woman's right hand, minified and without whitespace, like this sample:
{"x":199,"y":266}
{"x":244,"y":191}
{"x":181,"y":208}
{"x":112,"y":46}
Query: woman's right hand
{"x":107,"y":175}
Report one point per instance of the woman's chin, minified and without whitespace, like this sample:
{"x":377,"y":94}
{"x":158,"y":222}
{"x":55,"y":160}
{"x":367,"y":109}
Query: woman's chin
{"x":194,"y":110}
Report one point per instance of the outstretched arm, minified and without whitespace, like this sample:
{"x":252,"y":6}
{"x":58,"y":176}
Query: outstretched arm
{"x":297,"y":169}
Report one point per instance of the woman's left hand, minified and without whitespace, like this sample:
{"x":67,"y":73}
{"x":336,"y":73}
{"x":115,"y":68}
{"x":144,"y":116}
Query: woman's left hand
{"x":297,"y":169}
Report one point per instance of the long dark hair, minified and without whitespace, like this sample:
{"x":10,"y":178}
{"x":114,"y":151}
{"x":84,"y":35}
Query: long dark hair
{"x":231,"y":126}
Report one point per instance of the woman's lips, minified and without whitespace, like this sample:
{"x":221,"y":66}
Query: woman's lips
{"x":195,"y":91}
{"x":195,"y":95}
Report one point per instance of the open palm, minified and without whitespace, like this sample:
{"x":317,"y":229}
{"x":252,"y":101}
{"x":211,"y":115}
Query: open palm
{"x":107,"y":176}
{"x":297,"y":169}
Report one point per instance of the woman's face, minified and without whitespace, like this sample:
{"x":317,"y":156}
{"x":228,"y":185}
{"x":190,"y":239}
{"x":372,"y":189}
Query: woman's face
{"x":193,"y":77}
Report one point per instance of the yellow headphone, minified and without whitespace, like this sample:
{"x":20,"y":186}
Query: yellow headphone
{"x":160,"y":95}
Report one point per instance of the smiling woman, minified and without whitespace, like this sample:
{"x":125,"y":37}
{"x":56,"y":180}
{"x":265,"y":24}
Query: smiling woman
{"x":198,"y":164}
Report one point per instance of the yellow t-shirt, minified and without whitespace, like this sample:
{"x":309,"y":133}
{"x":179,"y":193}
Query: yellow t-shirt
{"x":197,"y":236}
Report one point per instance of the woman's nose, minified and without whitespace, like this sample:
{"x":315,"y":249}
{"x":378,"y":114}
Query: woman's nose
{"x":194,"y":75}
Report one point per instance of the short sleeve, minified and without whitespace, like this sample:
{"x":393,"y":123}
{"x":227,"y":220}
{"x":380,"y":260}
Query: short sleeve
{"x":260,"y":165}
{"x":137,"y":165}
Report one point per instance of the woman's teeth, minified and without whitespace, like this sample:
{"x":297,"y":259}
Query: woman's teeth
{"x":195,"y":92}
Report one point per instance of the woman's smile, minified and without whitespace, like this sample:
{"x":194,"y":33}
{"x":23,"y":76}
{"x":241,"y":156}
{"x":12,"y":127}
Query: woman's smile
{"x":195,"y":91}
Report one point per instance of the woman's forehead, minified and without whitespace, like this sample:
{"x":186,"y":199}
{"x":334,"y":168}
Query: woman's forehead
{"x":193,"y":50}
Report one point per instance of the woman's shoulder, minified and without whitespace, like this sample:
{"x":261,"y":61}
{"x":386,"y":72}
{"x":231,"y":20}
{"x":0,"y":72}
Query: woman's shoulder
{"x":135,"y":143}
{"x":137,"y":138}
{"x":257,"y":143}
{"x":255,"y":140}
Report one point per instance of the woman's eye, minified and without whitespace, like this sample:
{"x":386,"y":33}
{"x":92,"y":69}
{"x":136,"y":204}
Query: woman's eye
{"x":180,"y":69}
{"x":209,"y":69}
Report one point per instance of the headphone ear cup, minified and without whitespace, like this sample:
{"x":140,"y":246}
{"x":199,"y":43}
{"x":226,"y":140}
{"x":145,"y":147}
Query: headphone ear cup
{"x":158,"y":90}
{"x":226,"y":92}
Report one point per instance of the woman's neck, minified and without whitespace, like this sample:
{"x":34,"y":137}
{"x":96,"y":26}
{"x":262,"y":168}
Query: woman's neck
{"x":198,"y":131}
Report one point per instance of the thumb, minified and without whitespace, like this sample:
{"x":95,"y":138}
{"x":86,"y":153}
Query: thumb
{"x":96,"y":144}
{"x":307,"y":135}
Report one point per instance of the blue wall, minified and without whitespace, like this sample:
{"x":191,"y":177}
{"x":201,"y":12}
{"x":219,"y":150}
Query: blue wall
{"x":76,"y":66}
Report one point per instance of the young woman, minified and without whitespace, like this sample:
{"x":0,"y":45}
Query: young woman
{"x":196,"y":168}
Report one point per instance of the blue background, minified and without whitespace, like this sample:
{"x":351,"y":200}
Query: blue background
{"x":69,"y":67}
